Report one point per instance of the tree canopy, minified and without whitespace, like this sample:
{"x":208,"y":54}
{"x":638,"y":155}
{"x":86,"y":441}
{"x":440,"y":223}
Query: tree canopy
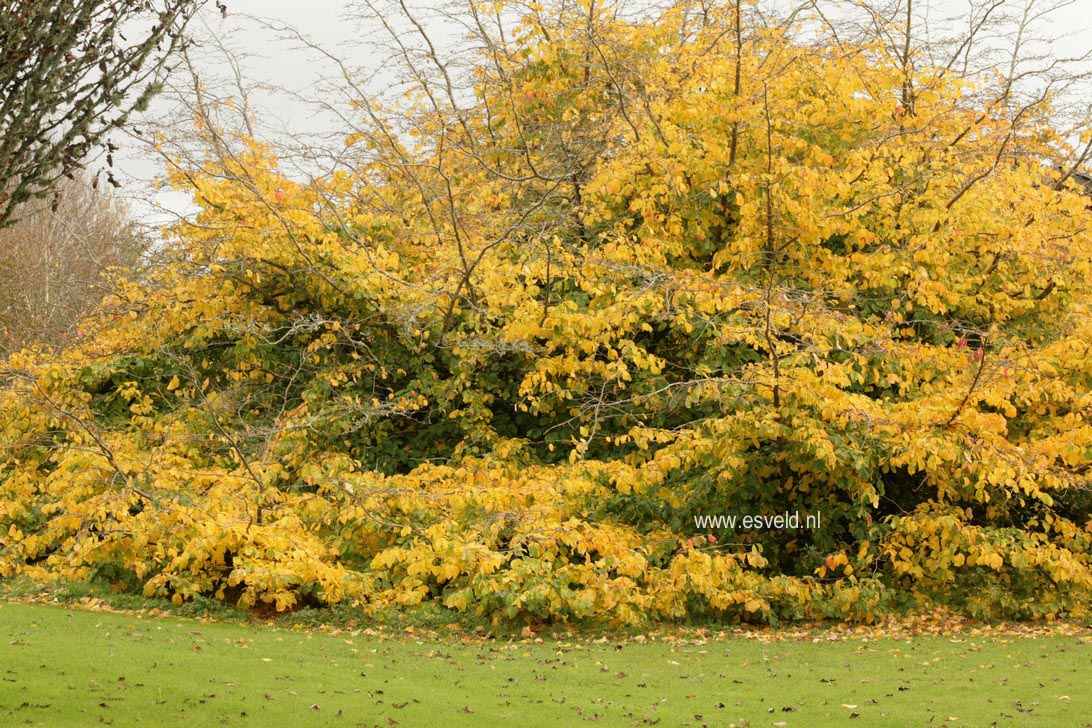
{"x":71,"y":71}
{"x":619,"y":272}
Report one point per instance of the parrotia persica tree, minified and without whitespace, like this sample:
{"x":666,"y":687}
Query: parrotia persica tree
{"x":71,"y":71}
{"x":618,"y":271}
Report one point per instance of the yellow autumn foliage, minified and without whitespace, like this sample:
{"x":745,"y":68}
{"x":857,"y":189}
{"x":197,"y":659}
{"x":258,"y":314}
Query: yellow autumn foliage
{"x":513,"y":359}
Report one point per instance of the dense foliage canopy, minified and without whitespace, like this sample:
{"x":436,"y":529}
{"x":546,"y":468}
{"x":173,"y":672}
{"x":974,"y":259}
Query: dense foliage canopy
{"x":626,"y":272}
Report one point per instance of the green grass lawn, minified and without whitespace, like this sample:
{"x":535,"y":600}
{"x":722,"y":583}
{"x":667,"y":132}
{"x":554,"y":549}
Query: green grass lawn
{"x":63,"y":667}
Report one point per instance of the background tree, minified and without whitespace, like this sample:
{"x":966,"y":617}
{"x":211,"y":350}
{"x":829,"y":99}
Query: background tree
{"x":70,"y":72}
{"x":55,"y":261}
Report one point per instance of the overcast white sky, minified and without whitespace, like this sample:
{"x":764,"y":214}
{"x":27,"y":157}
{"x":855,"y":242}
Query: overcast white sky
{"x":274,"y":61}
